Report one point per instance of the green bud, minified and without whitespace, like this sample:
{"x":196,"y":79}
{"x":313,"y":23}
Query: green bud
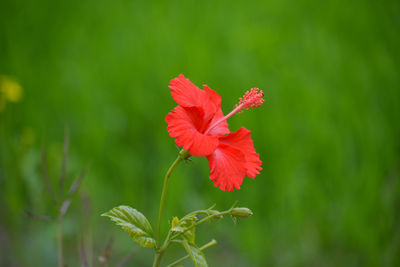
{"x":241,"y":212}
{"x":184,"y":154}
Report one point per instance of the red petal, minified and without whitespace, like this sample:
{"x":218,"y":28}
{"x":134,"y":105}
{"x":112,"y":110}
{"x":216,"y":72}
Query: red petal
{"x":228,"y":167}
{"x":186,"y":94}
{"x":241,"y":140}
{"x":184,"y":124}
{"x":221,"y":128}
{"x":214,"y":96}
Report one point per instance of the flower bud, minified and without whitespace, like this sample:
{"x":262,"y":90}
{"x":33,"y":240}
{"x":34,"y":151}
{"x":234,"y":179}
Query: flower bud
{"x":241,"y":212}
{"x":184,"y":154}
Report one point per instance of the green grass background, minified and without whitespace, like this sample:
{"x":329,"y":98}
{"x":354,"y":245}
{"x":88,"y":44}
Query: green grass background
{"x":328,"y":133}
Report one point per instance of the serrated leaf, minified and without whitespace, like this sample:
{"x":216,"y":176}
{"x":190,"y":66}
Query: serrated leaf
{"x":183,"y":224}
{"x":190,"y":236}
{"x":175,"y":225}
{"x":174,"y":222}
{"x":178,"y":229}
{"x":134,"y":223}
{"x":195,"y":254}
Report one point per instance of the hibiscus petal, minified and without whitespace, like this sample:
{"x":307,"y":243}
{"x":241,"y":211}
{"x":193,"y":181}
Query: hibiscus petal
{"x":241,"y":140}
{"x":214,"y":96}
{"x":228,"y":167}
{"x":221,"y":128}
{"x":186,"y":94}
{"x":184,"y":124}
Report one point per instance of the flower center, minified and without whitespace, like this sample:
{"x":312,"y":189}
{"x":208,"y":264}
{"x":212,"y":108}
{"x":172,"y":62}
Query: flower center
{"x":252,"y":98}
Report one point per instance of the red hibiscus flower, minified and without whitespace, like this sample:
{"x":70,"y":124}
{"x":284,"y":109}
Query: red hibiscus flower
{"x":198,"y":125}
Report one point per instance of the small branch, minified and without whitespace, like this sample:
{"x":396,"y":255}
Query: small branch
{"x":39,"y":217}
{"x":46,"y":176}
{"x":75,"y":185}
{"x":87,"y":236}
{"x":103,"y":259}
{"x":64,"y":162}
{"x":82,"y":254}
{"x":60,"y":242}
{"x":212,"y":206}
{"x":169,"y":239}
{"x":126,"y":259}
{"x":222,"y":213}
{"x":209,"y":244}
{"x":234,"y":204}
{"x":64,"y":207}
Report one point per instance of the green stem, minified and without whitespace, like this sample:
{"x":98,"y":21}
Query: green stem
{"x":169,"y":239}
{"x":222,"y":213}
{"x":209,"y":244}
{"x":157,"y":258}
{"x":183,"y":154}
{"x":164,"y":192}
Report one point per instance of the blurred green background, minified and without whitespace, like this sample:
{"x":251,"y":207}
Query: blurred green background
{"x":328,"y":133}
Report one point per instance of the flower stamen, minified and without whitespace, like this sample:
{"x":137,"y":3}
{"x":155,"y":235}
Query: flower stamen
{"x":252,"y":98}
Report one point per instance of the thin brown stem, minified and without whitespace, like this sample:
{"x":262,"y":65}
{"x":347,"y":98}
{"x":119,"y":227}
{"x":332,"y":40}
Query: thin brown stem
{"x":60,"y":242}
{"x":46,"y":177}
{"x":64,"y":163}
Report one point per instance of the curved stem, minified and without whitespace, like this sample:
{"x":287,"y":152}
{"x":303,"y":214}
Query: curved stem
{"x":173,"y":166}
{"x":183,"y":155}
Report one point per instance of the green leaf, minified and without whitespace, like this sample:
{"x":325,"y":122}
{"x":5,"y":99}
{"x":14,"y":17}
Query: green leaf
{"x":195,"y":253}
{"x":174,"y":222}
{"x":190,"y":235}
{"x":175,"y":225}
{"x":134,"y":223}
{"x":183,"y":224}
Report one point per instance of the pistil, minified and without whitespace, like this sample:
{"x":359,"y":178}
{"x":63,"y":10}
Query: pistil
{"x":252,"y":98}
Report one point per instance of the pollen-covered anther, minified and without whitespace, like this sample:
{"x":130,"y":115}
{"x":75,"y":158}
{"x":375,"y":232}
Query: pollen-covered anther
{"x":252,"y":98}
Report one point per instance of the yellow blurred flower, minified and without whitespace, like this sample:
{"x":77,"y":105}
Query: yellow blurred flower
{"x":10,"y":90}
